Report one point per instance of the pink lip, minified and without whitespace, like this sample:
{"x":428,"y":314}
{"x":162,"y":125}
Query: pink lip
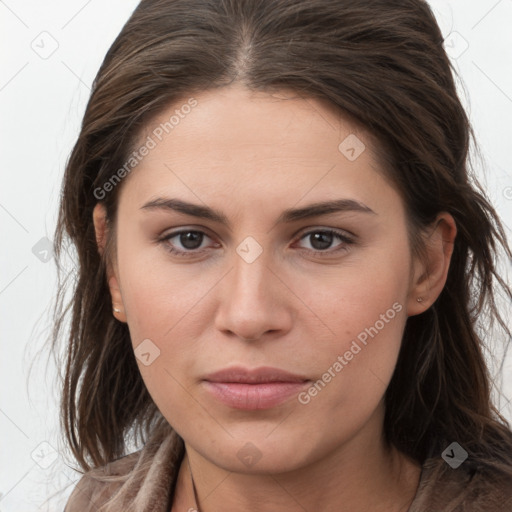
{"x":260,"y":388}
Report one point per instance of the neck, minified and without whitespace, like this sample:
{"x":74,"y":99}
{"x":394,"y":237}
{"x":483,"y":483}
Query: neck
{"x":363,"y":474}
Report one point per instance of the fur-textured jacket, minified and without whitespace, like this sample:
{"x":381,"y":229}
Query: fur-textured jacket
{"x":144,"y":481}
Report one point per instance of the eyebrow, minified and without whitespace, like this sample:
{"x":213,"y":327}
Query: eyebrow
{"x":289,"y":215}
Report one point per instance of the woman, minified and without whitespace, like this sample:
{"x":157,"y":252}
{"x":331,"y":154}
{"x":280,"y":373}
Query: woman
{"x":284,"y":264}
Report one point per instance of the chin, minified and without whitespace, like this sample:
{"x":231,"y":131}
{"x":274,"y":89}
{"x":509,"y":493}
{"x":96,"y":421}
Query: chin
{"x":273,"y":454}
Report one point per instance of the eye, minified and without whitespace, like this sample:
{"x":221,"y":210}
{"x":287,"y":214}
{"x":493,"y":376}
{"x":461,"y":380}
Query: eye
{"x":190,"y":241}
{"x":322,"y":239}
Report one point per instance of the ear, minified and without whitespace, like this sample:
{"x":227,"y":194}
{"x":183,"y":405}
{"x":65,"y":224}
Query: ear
{"x":99,"y":216}
{"x":429,"y":276}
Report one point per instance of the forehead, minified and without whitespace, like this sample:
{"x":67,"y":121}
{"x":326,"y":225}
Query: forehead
{"x":261,"y":146}
{"x":236,"y":116}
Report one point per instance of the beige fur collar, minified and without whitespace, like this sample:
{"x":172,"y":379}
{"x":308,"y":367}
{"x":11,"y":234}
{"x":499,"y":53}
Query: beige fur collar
{"x":144,"y":481}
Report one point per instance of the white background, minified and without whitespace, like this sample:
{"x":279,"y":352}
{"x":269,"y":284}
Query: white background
{"x":42,"y":99}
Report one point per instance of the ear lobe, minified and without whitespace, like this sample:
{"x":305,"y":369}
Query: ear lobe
{"x":117,"y":299}
{"x":430,"y":275}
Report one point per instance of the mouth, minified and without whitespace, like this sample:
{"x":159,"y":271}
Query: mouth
{"x":254,"y":389}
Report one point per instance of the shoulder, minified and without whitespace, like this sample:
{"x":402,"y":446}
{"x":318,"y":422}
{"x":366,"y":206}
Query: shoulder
{"x":468,"y":488}
{"x":143,"y":480}
{"x":98,"y":485}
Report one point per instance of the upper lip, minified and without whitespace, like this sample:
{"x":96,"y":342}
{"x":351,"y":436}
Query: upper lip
{"x":254,"y":376}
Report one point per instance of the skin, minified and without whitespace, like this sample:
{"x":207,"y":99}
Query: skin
{"x":252,"y":155}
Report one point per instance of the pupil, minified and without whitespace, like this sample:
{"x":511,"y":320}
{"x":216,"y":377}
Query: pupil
{"x":189,"y":239}
{"x":318,"y":237}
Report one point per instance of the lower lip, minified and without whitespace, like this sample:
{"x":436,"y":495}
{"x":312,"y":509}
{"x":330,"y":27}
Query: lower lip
{"x":254,"y":396}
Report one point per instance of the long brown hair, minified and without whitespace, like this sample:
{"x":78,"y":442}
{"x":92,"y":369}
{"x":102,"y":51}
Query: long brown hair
{"x":382,"y":63}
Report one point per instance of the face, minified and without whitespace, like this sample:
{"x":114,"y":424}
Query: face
{"x":232,"y":279}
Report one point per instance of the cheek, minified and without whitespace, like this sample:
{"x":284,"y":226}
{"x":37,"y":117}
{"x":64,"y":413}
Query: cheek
{"x":162,"y":304}
{"x":160,"y":297}
{"x":363,"y":309}
{"x":163,"y":307}
{"x":352,"y":297}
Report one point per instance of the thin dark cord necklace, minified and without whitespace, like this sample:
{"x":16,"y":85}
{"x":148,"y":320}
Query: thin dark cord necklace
{"x":196,"y":506}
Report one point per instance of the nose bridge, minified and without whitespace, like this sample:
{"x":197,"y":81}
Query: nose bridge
{"x":251,"y":260}
{"x":250,"y":274}
{"x":251,"y":303}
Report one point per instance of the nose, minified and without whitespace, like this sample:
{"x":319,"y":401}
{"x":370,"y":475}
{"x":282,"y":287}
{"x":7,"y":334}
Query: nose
{"x":254,"y":302}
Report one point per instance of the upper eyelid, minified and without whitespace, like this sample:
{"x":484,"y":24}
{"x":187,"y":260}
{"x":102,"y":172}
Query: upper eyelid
{"x":201,"y":229}
{"x":337,"y":231}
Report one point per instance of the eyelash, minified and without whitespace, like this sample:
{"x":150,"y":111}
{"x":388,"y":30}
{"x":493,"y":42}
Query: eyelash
{"x":347,"y":241}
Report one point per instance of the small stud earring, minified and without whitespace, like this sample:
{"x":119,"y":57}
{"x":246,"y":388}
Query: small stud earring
{"x":117,"y":310}
{"x":420,"y":299}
